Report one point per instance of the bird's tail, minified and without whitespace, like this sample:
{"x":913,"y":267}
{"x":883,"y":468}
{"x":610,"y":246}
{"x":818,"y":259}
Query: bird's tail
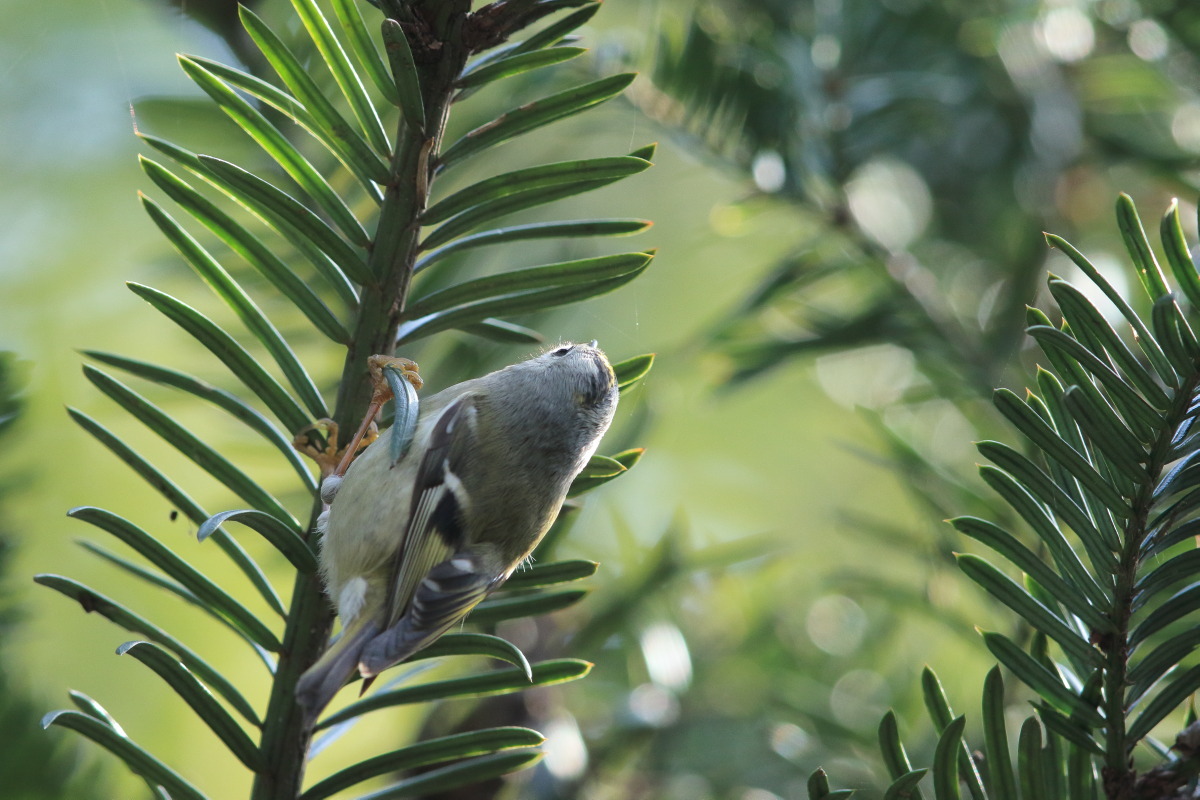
{"x":322,"y":680}
{"x":442,"y":599}
{"x":393,"y":646}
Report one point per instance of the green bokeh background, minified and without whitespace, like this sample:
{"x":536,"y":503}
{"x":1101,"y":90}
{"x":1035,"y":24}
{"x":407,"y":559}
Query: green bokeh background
{"x":776,"y":456}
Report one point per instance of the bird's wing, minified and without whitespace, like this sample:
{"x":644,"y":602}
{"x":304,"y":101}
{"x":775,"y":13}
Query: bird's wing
{"x":436,"y":579}
{"x":434,"y":531}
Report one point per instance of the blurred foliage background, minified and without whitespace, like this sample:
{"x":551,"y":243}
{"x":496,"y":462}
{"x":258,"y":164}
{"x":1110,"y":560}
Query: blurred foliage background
{"x":849,"y":199}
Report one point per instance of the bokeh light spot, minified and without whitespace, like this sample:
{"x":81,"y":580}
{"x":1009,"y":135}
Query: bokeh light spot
{"x":1066,"y":34}
{"x":1148,"y":40}
{"x":653,"y":705}
{"x":890,"y":201}
{"x":867,"y":376}
{"x":727,"y":220}
{"x":1185,"y":127}
{"x":566,"y":753}
{"x":836,"y":624}
{"x":859,"y":699}
{"x":769,"y":171}
{"x":667,"y":658}
{"x":789,"y":740}
{"x":826,"y":52}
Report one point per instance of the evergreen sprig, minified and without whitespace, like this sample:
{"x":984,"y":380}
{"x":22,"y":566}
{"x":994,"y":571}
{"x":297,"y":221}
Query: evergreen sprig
{"x":1107,"y":482}
{"x":361,"y":206}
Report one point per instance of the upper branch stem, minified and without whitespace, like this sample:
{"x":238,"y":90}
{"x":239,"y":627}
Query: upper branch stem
{"x":285,"y":740}
{"x":1119,"y":775}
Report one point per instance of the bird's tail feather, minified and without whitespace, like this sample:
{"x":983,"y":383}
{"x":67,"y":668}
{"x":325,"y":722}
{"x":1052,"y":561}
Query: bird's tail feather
{"x":441,"y":600}
{"x":393,"y":646}
{"x":318,"y":685}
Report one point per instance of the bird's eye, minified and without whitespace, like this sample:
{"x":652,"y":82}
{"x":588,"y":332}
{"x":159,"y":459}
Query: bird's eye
{"x":562,"y":351}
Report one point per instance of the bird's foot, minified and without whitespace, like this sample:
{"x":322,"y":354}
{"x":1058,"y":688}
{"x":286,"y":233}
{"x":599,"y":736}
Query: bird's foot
{"x":330,"y":456}
{"x":335,"y":461}
{"x":377,"y":366}
{"x":382,"y":390}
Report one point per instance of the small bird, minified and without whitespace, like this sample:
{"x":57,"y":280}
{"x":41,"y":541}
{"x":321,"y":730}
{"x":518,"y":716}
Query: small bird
{"x":411,"y":546}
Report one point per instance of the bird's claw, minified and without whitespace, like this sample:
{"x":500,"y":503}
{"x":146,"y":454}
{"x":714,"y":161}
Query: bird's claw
{"x":330,"y":456}
{"x":377,"y":364}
